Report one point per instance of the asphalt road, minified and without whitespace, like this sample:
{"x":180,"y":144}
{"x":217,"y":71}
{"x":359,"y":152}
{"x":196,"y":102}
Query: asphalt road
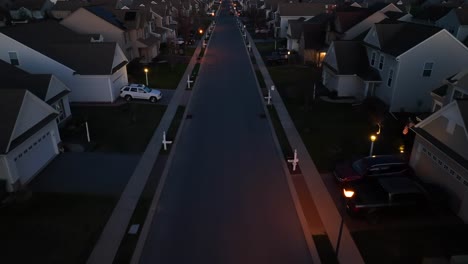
{"x":226,"y":198}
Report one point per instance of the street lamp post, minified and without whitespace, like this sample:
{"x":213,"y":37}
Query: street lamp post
{"x":372,"y":138}
{"x":146,"y":74}
{"x":348,"y":194}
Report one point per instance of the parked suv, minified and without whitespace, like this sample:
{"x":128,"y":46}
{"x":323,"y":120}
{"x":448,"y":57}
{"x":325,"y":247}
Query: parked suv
{"x":372,"y":167}
{"x":140,"y":91}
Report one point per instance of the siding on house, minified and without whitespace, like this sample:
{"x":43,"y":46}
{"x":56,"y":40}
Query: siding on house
{"x":448,"y":56}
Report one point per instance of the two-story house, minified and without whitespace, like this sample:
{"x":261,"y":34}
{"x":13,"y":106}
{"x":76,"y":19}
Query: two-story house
{"x":294,"y":11}
{"x":128,"y":28}
{"x":440,"y":153}
{"x":409,"y":58}
{"x":93,"y":71}
{"x":455,"y":22}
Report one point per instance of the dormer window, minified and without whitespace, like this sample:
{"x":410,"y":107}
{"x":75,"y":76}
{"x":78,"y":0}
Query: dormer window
{"x":427,"y":72}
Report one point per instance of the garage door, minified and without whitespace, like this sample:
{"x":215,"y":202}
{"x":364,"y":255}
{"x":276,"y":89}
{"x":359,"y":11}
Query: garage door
{"x":34,"y":157}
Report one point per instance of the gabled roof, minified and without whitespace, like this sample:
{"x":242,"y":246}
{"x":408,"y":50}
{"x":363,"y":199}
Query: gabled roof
{"x":348,"y":19}
{"x":29,"y":4}
{"x":351,"y":58}
{"x":462,"y":106}
{"x":296,"y":28}
{"x":15,"y":78}
{"x":396,"y":37}
{"x":10,"y":105}
{"x":301,"y":9}
{"x":106,"y":15}
{"x":314,"y":36}
{"x":321,"y":18}
{"x":432,"y":13}
{"x":73,"y":50}
{"x":70,"y":5}
{"x":394,"y":15}
{"x":462,"y":15}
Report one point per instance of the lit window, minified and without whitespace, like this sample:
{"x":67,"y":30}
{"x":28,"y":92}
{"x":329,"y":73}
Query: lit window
{"x":428,"y":69}
{"x":13,"y":58}
{"x":390,"y":78}
{"x":381,"y":62}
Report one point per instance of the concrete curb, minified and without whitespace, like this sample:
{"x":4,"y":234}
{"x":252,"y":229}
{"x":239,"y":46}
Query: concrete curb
{"x":331,"y":218}
{"x":114,"y":231}
{"x":154,"y":203}
{"x":297,"y":204}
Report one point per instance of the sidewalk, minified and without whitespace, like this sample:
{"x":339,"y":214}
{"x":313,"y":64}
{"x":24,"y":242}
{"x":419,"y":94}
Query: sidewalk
{"x":329,"y":214}
{"x":109,"y":241}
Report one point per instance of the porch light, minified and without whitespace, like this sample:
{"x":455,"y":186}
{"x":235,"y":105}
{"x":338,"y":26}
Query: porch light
{"x":348,"y":193}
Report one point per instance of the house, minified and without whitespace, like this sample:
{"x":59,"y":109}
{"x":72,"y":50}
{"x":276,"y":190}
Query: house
{"x":28,"y":136}
{"x":160,"y":18}
{"x":455,"y":22}
{"x":312,"y":44}
{"x":375,"y":15}
{"x":129,"y":28}
{"x":453,"y":88}
{"x":46,"y":87}
{"x":62,"y":9}
{"x":440,"y":153}
{"x":346,"y":70}
{"x":93,"y":71}
{"x":430,"y":14}
{"x":410,"y":59}
{"x":294,"y":33}
{"x":294,"y":11}
{"x":30,"y":9}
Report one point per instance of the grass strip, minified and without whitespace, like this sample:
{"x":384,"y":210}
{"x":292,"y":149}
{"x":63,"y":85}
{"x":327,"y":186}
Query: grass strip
{"x":325,"y":249}
{"x":128,"y":244}
{"x":260,"y":79}
{"x":281,"y":135}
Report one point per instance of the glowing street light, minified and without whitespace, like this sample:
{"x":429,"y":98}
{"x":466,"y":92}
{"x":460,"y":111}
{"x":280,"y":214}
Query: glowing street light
{"x":200,"y":31}
{"x":373,"y":138}
{"x":146,"y":74}
{"x":348,"y":194}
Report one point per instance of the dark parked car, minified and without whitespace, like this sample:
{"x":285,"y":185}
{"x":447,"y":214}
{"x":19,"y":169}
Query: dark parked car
{"x":372,"y":167}
{"x":384,"y":194}
{"x":276,"y":58}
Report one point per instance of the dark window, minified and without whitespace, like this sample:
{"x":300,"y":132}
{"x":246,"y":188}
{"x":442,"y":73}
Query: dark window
{"x":381,"y":62}
{"x":390,"y":78}
{"x":428,"y":69}
{"x":372,"y":61}
{"x":134,"y":90}
{"x":13,"y":58}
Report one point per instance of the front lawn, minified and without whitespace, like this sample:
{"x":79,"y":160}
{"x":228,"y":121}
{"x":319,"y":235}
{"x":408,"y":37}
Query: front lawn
{"x":333,"y":131}
{"x":53,"y":228}
{"x":126,"y":128}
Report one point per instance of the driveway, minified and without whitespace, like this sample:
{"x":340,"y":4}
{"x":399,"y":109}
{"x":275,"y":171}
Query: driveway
{"x":86,"y":172}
